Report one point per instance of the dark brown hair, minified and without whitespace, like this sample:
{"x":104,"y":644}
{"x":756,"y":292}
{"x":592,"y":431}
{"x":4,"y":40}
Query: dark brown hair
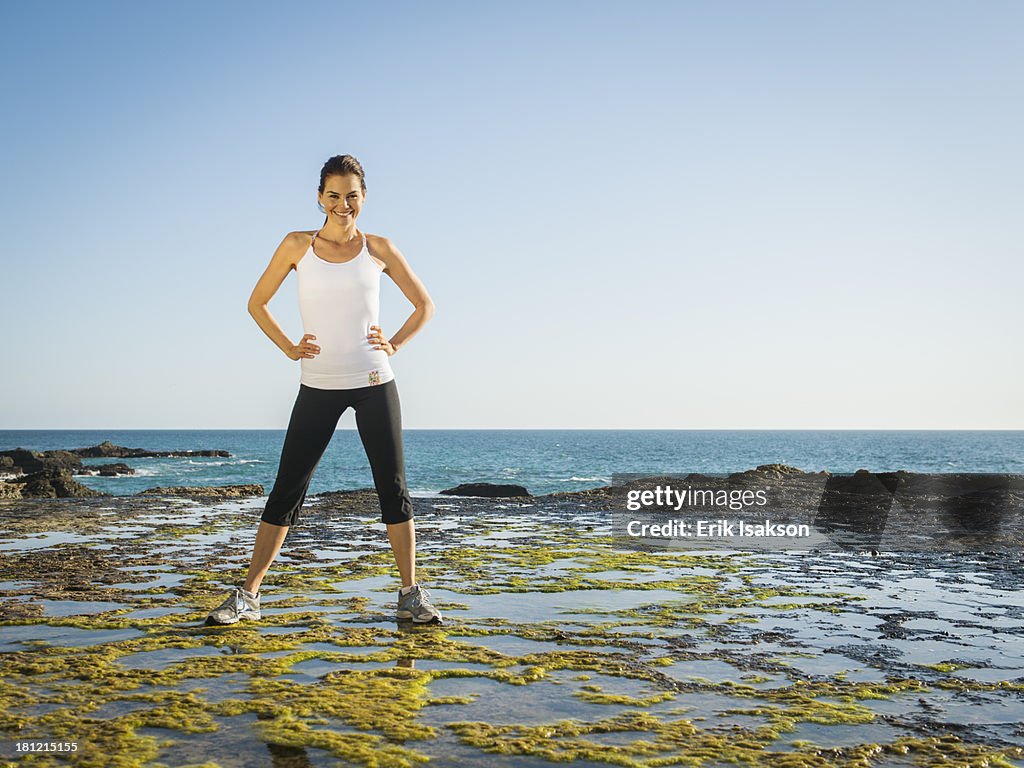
{"x":342,"y":165}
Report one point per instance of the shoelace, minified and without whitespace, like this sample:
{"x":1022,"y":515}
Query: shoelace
{"x":235,"y":601}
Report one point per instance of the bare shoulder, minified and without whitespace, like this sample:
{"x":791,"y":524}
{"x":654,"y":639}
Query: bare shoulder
{"x":293,"y":246}
{"x":379,"y":244}
{"x":300,"y":239}
{"x":383,"y":251}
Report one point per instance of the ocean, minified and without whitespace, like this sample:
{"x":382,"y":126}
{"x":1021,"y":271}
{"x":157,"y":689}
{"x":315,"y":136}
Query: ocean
{"x":544,"y":461}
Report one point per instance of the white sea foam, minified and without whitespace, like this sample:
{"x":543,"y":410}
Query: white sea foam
{"x":87,"y":472}
{"x":225,"y":463}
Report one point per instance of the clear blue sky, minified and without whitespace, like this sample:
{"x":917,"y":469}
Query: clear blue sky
{"x":679,"y":214}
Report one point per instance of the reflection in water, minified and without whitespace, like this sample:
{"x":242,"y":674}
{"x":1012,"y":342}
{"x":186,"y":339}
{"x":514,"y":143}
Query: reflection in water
{"x":282,"y":756}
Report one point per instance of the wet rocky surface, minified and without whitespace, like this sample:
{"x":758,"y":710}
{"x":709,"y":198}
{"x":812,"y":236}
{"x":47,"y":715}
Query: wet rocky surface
{"x":559,"y":645}
{"x":208,"y":491}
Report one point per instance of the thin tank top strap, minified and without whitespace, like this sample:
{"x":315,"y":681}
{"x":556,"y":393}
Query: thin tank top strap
{"x":313,"y":239}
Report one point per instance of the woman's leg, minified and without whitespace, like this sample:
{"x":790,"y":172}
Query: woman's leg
{"x":379,"y":420}
{"x":269,"y":539}
{"x":310,"y":429}
{"x":403,"y":544}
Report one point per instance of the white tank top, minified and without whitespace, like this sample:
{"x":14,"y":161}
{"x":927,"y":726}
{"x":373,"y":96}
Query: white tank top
{"x":338,"y":303}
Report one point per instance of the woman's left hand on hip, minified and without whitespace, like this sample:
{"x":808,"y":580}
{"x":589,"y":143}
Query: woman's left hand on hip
{"x":376,"y":338}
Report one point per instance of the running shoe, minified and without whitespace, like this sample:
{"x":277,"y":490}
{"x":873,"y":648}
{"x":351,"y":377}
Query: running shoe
{"x":416,"y":605}
{"x":239,"y":605}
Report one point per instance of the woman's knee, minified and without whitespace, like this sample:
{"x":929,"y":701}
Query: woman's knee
{"x":397,"y":514}
{"x":286,"y":515}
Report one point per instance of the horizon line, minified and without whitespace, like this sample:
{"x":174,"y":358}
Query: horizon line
{"x":529,"y":429}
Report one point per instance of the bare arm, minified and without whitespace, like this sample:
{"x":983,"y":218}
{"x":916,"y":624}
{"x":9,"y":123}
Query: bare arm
{"x":397,"y":268}
{"x":282,"y":262}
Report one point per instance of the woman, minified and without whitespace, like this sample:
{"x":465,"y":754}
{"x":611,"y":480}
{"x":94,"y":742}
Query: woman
{"x":344,"y":360}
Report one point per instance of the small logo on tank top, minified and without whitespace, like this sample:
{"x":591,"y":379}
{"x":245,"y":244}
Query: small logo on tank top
{"x":375,"y":377}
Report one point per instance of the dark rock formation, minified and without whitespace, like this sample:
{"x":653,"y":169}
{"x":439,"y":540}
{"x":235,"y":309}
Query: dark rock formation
{"x":50,"y":483}
{"x":340,"y":495}
{"x":488,"y":490}
{"x":207,"y":491}
{"x":105,"y":470}
{"x":359,"y":501}
{"x":769,"y":472}
{"x":107,"y":449}
{"x":27,"y":461}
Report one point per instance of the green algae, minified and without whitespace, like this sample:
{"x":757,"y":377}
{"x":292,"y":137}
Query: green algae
{"x":681,"y":743}
{"x":595,"y":695}
{"x":363,"y":749}
{"x":369,"y":709}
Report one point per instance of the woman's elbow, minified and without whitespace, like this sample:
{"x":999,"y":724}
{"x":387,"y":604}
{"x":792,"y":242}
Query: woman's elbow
{"x":427,"y":307}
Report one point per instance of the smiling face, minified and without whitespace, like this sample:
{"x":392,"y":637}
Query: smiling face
{"x":342,"y":198}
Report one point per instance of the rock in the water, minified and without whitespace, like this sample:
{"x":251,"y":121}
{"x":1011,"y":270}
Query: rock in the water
{"x":106,"y":470}
{"x":108,"y":450}
{"x":488,"y":490}
{"x":36,"y":461}
{"x":48,"y":483}
{"x":208,"y":491}
{"x":768,"y":472}
{"x":28,"y":461}
{"x":63,"y":459}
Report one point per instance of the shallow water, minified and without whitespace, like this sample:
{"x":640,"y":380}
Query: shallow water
{"x":554,"y":641}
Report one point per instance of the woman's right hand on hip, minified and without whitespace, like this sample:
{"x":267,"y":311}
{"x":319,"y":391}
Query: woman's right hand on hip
{"x":304,"y":349}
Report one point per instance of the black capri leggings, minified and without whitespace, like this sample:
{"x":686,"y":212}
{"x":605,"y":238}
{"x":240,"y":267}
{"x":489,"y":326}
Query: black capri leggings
{"x":314,"y":417}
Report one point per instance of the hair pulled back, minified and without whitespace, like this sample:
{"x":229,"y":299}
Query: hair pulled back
{"x":342,"y":165}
